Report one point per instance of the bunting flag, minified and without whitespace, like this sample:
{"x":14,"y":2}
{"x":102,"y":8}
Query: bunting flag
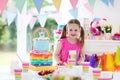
{"x":74,"y":12}
{"x":4,"y":16}
{"x":73,"y":3}
{"x":23,"y":20}
{"x":111,"y":2}
{"x":20,"y":4}
{"x":10,"y":17}
{"x":38,"y":4}
{"x":58,"y":17}
{"x":88,"y":7}
{"x":26,"y":19}
{"x":57,"y":4}
{"x":106,"y":2}
{"x":42,"y":19}
{"x":92,"y":3}
{"x":32,"y":22}
{"x":2,"y":5}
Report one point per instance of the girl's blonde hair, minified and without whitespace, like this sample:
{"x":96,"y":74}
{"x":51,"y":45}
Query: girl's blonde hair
{"x":74,"y":21}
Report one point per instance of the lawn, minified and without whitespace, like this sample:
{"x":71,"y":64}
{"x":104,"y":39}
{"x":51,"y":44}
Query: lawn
{"x":7,"y":57}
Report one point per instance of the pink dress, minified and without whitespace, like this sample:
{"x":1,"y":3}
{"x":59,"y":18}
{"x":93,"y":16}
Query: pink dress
{"x":66,"y":46}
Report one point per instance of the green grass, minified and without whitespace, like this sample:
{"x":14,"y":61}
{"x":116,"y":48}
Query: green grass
{"x":7,"y":57}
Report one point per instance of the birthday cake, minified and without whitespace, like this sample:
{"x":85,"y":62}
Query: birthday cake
{"x":40,"y":55}
{"x":41,"y":45}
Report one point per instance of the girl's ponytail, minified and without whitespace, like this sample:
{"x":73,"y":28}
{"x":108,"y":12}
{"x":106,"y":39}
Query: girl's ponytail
{"x":63,"y":35}
{"x":82,"y":36}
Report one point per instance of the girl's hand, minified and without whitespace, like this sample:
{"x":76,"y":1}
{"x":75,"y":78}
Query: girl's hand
{"x":79,"y":62}
{"x":60,"y":63}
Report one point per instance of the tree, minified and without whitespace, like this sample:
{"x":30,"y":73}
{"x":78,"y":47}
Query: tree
{"x":51,"y":25}
{"x":3,"y":33}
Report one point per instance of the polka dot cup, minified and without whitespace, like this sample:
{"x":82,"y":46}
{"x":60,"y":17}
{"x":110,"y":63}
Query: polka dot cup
{"x":18,"y":74}
{"x":85,"y":66}
{"x":25,"y":66}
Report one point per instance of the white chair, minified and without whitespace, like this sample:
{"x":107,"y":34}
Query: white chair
{"x":106,"y":75}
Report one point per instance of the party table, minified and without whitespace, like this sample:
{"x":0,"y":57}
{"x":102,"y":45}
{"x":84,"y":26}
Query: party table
{"x":77,"y":71}
{"x":64,"y":70}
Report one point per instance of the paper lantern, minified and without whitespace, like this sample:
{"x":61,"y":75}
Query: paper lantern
{"x":87,"y":58}
{"x":103,"y":61}
{"x":93,"y":61}
{"x":110,"y":62}
{"x":117,"y":59}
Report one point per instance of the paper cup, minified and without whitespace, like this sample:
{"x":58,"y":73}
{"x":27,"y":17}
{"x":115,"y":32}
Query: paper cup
{"x":106,"y":74}
{"x":25,"y":66}
{"x":96,"y":73}
{"x":18,"y":74}
{"x":85,"y":66}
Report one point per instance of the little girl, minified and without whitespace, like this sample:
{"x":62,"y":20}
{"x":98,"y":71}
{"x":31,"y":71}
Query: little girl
{"x":72,"y":38}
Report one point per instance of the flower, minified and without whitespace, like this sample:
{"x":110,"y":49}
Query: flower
{"x":108,"y":29}
{"x":101,"y":25}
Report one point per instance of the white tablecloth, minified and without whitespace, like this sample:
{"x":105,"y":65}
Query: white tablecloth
{"x":67,"y":71}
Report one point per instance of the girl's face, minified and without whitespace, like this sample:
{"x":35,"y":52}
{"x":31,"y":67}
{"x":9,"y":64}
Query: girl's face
{"x":73,"y":30}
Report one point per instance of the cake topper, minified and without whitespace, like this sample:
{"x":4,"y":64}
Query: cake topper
{"x":42,"y":34}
